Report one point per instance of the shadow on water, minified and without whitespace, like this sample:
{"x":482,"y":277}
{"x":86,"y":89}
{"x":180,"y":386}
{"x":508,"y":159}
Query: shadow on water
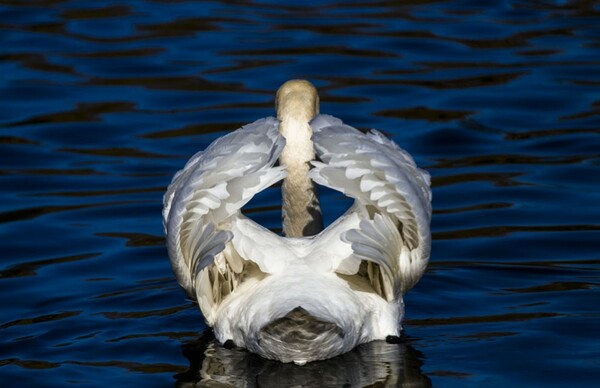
{"x":375,"y":364}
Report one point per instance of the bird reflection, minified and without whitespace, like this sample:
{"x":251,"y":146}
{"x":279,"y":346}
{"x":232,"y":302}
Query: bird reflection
{"x":376,"y":364}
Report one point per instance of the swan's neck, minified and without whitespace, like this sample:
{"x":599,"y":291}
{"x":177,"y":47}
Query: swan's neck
{"x":297,"y":104}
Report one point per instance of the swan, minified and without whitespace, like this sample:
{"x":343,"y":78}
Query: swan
{"x":312,"y":293}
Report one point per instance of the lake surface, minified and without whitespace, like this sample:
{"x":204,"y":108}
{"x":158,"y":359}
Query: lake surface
{"x":102,"y":102}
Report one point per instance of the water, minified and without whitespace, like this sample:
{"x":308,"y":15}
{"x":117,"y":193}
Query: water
{"x":101,"y":102}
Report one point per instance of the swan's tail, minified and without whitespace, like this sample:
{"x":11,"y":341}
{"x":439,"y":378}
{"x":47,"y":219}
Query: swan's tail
{"x":301,"y":338}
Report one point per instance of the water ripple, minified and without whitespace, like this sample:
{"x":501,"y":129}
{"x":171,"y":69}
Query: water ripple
{"x":29,"y":268}
{"x":145,"y":314}
{"x":103,"y":102}
{"x":499,"y":231}
{"x":40,"y":319}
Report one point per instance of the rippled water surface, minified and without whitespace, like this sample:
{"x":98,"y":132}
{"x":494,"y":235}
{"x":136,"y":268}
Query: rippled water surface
{"x":101,"y":102}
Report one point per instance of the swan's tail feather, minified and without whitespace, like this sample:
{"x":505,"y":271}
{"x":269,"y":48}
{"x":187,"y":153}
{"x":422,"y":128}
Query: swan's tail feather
{"x":299,"y":337}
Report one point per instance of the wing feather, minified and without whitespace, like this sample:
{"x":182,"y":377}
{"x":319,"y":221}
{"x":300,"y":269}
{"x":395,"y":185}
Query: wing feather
{"x":203,"y":200}
{"x":380,"y":176}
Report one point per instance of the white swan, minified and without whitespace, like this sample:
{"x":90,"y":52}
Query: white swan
{"x":295,"y":298}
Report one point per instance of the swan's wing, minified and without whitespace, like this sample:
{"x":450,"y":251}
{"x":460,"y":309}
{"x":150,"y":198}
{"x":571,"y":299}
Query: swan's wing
{"x":393,"y":191}
{"x":203,"y":201}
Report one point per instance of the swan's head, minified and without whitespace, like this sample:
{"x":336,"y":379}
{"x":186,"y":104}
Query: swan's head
{"x":297,"y":99}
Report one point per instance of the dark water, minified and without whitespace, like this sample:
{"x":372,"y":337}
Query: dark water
{"x":101,"y":102}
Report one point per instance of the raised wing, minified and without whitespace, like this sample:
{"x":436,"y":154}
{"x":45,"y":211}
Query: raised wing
{"x":394,"y":193}
{"x":203,"y":202}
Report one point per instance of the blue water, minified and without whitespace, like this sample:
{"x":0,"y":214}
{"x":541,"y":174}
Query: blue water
{"x":102,"y":102}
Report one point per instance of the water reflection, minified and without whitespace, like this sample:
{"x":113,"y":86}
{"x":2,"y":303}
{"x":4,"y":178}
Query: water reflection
{"x":374,"y":364}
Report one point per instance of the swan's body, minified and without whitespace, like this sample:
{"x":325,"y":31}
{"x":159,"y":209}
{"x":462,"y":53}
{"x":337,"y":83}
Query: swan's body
{"x":298,"y":298}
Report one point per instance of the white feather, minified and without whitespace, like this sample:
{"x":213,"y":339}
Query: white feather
{"x":353,"y":274}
